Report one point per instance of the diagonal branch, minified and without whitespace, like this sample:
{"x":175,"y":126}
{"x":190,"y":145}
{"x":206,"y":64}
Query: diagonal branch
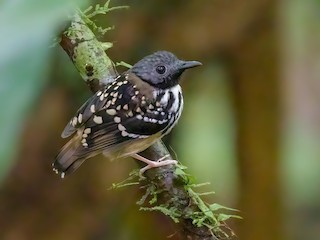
{"x":168,"y":189}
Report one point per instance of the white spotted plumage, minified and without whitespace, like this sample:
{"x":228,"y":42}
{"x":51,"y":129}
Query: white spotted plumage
{"x":127,"y":116}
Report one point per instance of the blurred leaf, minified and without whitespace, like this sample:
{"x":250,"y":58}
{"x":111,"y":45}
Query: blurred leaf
{"x":27,"y":31}
{"x":216,"y":207}
{"x":225,"y":217}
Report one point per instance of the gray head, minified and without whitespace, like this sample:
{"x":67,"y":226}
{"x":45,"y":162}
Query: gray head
{"x":162,"y":69}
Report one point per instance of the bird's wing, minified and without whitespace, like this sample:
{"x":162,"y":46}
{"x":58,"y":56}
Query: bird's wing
{"x":115,"y":126}
{"x":119,"y":118}
{"x":122,"y":131}
{"x":94,"y":104}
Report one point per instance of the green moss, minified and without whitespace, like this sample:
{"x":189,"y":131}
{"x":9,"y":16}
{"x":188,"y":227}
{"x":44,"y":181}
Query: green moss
{"x":91,"y":12}
{"x":197,"y":211}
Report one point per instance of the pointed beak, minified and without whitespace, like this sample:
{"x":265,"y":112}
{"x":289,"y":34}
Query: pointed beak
{"x":189,"y":64}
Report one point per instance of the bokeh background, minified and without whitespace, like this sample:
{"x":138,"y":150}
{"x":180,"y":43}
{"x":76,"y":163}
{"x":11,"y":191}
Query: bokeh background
{"x":251,"y":124}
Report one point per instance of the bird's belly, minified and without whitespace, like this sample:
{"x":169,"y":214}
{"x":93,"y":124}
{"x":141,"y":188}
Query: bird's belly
{"x":132,"y":147}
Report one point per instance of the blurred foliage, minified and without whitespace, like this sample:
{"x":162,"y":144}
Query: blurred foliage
{"x":209,"y":144}
{"x":301,"y":130}
{"x":27,"y":29}
{"x":40,"y":90}
{"x":301,"y":126}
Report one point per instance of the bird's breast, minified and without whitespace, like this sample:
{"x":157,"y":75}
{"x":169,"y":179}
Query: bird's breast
{"x":171,"y":102}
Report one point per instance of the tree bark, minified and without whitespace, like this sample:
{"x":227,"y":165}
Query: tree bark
{"x":254,"y":65}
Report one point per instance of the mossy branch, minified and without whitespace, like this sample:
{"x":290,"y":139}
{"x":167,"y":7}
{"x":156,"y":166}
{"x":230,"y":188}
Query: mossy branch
{"x":168,"y":189}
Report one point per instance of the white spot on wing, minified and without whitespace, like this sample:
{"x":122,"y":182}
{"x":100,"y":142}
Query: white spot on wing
{"x":111,"y":112}
{"x":108,"y":104}
{"x":87,"y":131}
{"x":74,"y":121}
{"x":143,"y":136}
{"x":80,"y":118}
{"x":121,"y":127}
{"x":117,"y":119}
{"x":124,"y":133}
{"x":132,"y":135}
{"x":92,"y":108}
{"x":97,"y":119}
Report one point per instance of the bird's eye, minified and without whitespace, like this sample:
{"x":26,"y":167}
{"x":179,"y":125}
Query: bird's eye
{"x":161,"y":69}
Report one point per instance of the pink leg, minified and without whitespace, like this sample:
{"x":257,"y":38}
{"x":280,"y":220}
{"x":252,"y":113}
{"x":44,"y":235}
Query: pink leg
{"x":153,"y":164}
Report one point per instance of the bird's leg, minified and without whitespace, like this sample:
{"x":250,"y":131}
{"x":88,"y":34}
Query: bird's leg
{"x":153,"y":164}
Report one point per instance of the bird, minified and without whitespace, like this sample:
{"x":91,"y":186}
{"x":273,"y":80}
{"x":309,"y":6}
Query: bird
{"x":128,"y":115}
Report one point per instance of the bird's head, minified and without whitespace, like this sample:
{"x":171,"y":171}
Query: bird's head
{"x":162,"y":69}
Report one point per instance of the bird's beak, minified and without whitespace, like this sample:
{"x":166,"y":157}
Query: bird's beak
{"x":189,"y":64}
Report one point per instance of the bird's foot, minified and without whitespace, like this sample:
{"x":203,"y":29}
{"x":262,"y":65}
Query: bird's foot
{"x":154,"y":164}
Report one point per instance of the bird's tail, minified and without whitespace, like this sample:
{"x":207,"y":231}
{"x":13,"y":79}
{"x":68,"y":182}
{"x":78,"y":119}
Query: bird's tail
{"x":67,"y":160}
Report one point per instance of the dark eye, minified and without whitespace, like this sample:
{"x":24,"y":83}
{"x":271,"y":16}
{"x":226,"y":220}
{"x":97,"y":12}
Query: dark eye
{"x":161,"y":69}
